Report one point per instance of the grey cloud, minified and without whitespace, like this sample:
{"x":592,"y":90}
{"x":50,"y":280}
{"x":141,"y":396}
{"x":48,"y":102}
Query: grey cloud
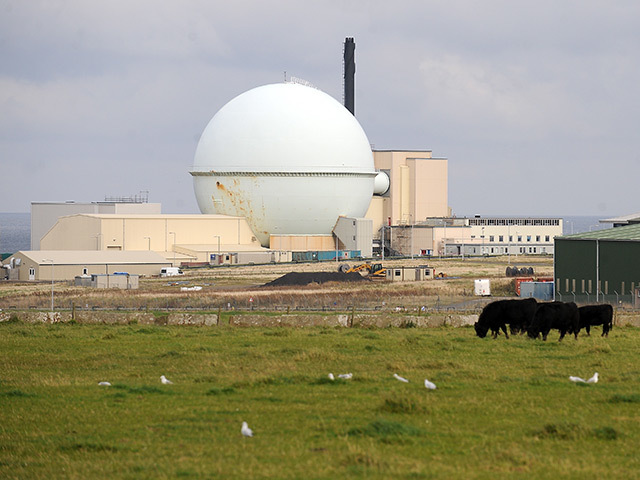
{"x":534,"y":103}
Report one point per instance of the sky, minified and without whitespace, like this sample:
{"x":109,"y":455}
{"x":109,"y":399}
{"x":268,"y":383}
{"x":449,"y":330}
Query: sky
{"x":534,"y":103}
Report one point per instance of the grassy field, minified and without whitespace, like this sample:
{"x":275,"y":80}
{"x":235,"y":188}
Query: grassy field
{"x":503,"y":408}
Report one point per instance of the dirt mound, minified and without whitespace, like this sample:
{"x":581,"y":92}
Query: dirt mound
{"x":305,"y":278}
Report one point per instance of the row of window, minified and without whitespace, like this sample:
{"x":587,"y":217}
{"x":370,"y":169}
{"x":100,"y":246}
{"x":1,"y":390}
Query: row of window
{"x":503,"y":250}
{"x":549,"y":222}
{"x":492,"y":238}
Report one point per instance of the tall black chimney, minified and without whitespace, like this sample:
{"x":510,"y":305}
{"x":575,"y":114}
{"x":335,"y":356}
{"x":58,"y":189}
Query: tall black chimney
{"x":349,"y":74}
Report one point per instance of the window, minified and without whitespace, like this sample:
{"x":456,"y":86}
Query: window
{"x":519,"y":238}
{"x":546,"y":238}
{"x":510,"y":238}
{"x":491,"y":238}
{"x":537,"y":238}
{"x":528,"y":238}
{"x":501,"y":238}
{"x":85,"y":271}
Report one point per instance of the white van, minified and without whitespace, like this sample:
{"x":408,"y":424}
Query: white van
{"x":170,"y":271}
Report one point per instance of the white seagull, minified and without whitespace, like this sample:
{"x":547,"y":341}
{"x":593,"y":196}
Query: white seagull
{"x":346,"y":376}
{"x":398,"y":377}
{"x":165,"y":380}
{"x":593,"y":379}
{"x":245,"y":430}
{"x":429,"y":385}
{"x":104,"y":384}
{"x":331,"y":377}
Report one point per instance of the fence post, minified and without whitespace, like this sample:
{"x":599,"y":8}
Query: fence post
{"x":219,"y":315}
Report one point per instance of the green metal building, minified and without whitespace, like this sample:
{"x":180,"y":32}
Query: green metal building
{"x":608,"y":260}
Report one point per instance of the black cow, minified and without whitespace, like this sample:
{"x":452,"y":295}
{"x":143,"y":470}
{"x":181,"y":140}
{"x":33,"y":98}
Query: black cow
{"x":596,"y":315}
{"x":495,"y":316}
{"x":558,"y":315}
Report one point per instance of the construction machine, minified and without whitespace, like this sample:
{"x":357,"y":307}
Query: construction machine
{"x":372,"y":270}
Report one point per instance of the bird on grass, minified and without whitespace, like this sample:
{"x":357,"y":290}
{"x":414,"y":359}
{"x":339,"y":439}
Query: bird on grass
{"x":429,"y":385}
{"x":346,"y":376}
{"x":398,"y":377}
{"x":165,"y":380}
{"x":245,"y":430}
{"x":593,"y":379}
{"x":331,"y":377}
{"x":104,"y":384}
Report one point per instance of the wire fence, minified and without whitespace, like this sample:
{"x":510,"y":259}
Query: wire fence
{"x":419,"y":306}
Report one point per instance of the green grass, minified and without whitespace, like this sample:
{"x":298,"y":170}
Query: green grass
{"x":502,"y":409}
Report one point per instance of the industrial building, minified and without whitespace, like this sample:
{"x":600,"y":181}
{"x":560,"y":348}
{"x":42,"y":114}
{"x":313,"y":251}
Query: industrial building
{"x":452,"y":236}
{"x":50,"y":265}
{"x":178,"y":238}
{"x":591,"y":265}
{"x":623,"y":220}
{"x":44,"y":215}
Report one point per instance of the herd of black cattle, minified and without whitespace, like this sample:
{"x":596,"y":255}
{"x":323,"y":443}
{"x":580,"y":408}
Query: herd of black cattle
{"x":539,"y":318}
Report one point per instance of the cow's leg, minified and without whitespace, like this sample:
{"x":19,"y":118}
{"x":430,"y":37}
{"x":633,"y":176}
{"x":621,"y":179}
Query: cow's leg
{"x":588,"y":329}
{"x":562,"y":332}
{"x":504,"y":329}
{"x":544,"y":335}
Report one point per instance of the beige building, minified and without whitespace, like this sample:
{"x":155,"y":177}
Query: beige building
{"x":38,"y":265}
{"x":44,"y":215}
{"x":178,"y":238}
{"x":418,"y":188}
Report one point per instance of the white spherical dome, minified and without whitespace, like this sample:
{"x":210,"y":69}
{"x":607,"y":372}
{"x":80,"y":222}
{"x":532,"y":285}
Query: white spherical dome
{"x":289,"y":158}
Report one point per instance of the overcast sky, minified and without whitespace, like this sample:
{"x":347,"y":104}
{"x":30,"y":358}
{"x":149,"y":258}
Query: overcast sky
{"x":535,"y":103}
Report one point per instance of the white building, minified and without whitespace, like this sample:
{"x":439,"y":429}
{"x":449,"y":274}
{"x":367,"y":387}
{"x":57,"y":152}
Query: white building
{"x":475,"y":236}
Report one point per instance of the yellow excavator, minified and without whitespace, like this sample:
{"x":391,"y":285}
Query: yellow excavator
{"x":372,"y":270}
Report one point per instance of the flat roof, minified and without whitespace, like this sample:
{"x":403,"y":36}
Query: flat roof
{"x":94,"y":257}
{"x":626,"y":233}
{"x":622,"y":219}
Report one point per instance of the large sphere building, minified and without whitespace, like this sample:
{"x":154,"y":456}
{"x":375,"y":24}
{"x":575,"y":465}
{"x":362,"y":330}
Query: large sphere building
{"x":288,"y":158}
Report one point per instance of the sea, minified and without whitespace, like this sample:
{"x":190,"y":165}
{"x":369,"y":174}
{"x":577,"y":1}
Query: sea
{"x":15,"y":232}
{"x":15,"y":229}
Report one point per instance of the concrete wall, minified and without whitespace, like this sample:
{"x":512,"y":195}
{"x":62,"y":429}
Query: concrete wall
{"x":622,"y":318}
{"x":123,"y":318}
